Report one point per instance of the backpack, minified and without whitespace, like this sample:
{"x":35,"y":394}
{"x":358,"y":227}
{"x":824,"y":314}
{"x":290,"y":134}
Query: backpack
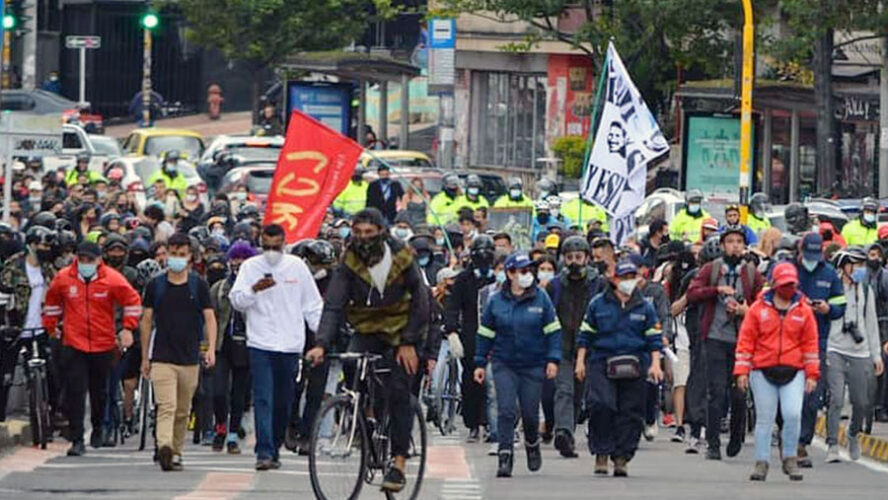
{"x":162,"y":284}
{"x":747,"y":277}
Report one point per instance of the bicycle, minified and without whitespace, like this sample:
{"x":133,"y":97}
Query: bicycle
{"x":350,"y":427}
{"x":448,"y":396}
{"x":143,"y":401}
{"x":31,"y":344}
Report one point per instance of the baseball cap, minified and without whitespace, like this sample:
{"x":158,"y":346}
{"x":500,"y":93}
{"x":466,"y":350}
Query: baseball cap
{"x":785,"y":273}
{"x":811,"y":246}
{"x":626,"y":267}
{"x":35,"y":186}
{"x":445,"y":274}
{"x":88,"y":249}
{"x":710,"y":223}
{"x":552,"y":241}
{"x":636,"y":259}
{"x":518,"y":260}
{"x":883,"y":232}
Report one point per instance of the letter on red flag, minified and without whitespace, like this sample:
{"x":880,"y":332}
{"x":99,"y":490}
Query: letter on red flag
{"x":315,"y":165}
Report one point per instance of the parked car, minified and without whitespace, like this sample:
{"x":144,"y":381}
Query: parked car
{"x":106,"y":146}
{"x":41,"y":102}
{"x":396,"y":158}
{"x":256,"y":177}
{"x":247,"y":147}
{"x":156,"y":141}
{"x":75,"y":140}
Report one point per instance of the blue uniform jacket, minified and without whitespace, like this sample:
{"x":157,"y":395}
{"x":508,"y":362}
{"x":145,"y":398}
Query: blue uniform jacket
{"x":613,"y":330}
{"x":522,"y":332}
{"x":823,"y":283}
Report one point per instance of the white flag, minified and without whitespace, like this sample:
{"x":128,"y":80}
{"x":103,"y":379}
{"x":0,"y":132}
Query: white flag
{"x":627,"y":139}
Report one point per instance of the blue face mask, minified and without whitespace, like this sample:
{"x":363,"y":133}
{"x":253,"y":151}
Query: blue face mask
{"x":87,"y":270}
{"x":344,"y":232}
{"x":423,"y":261}
{"x":859,"y":275}
{"x":177,"y":264}
{"x":500,"y":277}
{"x":439,"y":241}
{"x":473,"y":191}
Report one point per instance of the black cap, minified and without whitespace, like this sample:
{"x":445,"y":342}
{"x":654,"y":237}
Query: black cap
{"x":88,"y":249}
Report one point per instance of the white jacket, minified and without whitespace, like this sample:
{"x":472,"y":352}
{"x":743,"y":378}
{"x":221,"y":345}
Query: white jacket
{"x":276,"y":316}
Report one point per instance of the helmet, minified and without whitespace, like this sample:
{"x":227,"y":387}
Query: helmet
{"x":114,"y":240}
{"x":199,"y":232}
{"x":247,"y":211}
{"x":554,"y":201}
{"x":300,"y":249}
{"x":733,"y":229}
{"x":482,"y":251}
{"x":545,"y":185}
{"x":451,"y":181}
{"x":147,"y":269}
{"x":474,"y":181}
{"x":62,"y":224}
{"x":243,"y":231}
{"x":711,"y":250}
{"x":320,"y":252}
{"x":694,"y":196}
{"x":796,"y":216}
{"x":541,"y":206}
{"x":45,"y":219}
{"x":575,"y":244}
{"x":67,"y":240}
{"x":83,"y":157}
{"x":757,"y":202}
{"x":141,"y":232}
{"x":869,"y":203}
{"x":732,"y":207}
{"x":41,"y":235}
{"x":850,"y":255}
{"x":516,"y":183}
{"x":171,"y":155}
{"x":106,"y":219}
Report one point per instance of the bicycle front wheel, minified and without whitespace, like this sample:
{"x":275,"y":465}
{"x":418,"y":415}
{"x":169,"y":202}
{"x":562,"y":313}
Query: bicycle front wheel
{"x":416,"y":455}
{"x":144,"y":410}
{"x":39,"y":409}
{"x":337,"y":460}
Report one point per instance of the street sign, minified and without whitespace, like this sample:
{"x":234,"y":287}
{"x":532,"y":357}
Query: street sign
{"x":30,"y":135}
{"x":83,"y":42}
{"x":442,"y":56}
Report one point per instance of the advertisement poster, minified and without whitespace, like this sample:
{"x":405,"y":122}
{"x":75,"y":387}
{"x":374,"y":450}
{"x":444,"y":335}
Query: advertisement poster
{"x":329,"y":104}
{"x":712,"y":155}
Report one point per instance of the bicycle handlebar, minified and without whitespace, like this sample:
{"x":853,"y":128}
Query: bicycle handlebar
{"x":345,"y":356}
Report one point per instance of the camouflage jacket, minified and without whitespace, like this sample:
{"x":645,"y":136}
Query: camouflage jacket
{"x":14,"y":281}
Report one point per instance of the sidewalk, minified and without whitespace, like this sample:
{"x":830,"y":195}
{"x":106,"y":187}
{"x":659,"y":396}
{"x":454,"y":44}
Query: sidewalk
{"x":874,"y":446}
{"x":14,"y":432}
{"x":230,"y":123}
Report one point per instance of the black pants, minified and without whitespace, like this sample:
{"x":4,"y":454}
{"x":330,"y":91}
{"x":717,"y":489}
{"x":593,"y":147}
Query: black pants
{"x":85,"y":371}
{"x":616,"y":411}
{"x":548,"y":403}
{"x":721,"y":390}
{"x":202,"y":402}
{"x":472,"y":393}
{"x":651,"y":403}
{"x":230,"y":391}
{"x":397,"y":389}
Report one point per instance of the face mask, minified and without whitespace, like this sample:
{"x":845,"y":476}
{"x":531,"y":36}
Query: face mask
{"x":874,"y":264}
{"x":171,"y":168}
{"x":370,"y":251}
{"x":87,"y":270}
{"x":576,"y":269}
{"x":664,"y":238}
{"x":423,"y":261}
{"x":543,"y":218}
{"x":545,"y":275}
{"x":786,"y":292}
{"x":627,"y":286}
{"x":439,"y":241}
{"x":451,"y":192}
{"x":403,"y":233}
{"x":859,"y":275}
{"x":869,"y":218}
{"x":555,"y":212}
{"x":240,"y":196}
{"x":42,"y":255}
{"x":515,"y":194}
{"x":273,"y":256}
{"x":177,"y":264}
{"x":191,"y":198}
{"x":500,"y":277}
{"x":525,"y":280}
{"x":473,"y":191}
{"x":215,"y":274}
{"x":810,"y":265}
{"x":344,"y":232}
{"x":116,"y":261}
{"x":218,"y":232}
{"x":694,"y":208}
{"x":34,"y":201}
{"x":601,"y":266}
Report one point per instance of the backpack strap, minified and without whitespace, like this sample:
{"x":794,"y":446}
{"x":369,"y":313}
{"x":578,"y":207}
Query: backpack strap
{"x":715,"y":271}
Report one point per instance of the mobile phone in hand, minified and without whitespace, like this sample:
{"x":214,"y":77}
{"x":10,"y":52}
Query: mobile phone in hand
{"x":268,"y":276}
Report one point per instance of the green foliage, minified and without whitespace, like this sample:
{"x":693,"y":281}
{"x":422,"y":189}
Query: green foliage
{"x":571,"y":150}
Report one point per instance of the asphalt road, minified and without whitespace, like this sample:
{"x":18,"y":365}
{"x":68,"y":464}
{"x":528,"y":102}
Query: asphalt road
{"x":456,"y":471}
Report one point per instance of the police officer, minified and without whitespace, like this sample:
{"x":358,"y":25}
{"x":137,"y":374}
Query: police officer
{"x":582,"y":212}
{"x":443,"y":207}
{"x":757,"y":218}
{"x":353,"y":198}
{"x":473,"y":198}
{"x":686,"y":223}
{"x":863,"y":230}
{"x":81,"y":167}
{"x":515,"y":198}
{"x":619,"y":342}
{"x":169,"y":173}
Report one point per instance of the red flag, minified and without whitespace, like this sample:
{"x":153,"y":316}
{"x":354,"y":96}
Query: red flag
{"x":315,"y":165}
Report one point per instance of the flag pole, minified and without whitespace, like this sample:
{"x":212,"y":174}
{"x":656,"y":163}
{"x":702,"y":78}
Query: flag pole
{"x":596,"y":108}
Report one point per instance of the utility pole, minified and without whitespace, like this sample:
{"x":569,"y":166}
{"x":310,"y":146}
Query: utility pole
{"x":149,"y":22}
{"x":6,"y":81}
{"x":883,"y":122}
{"x":748,"y":76}
{"x":826,"y":119}
{"x":29,"y":46}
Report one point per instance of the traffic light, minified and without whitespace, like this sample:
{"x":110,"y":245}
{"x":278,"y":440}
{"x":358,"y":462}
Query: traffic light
{"x":9,"y":21}
{"x":150,"y":20}
{"x":16,"y":17}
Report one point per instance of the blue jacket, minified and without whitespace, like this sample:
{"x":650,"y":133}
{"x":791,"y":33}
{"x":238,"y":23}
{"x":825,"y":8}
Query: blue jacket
{"x":612,"y":330}
{"x":522,"y":332}
{"x":823,"y":283}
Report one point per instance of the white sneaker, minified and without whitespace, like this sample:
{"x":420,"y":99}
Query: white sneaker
{"x":853,"y":447}
{"x":493,"y":450}
{"x":694,"y":446}
{"x":832,"y":454}
{"x":650,"y":432}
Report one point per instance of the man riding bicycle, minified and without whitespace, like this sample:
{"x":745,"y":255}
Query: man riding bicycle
{"x":378,"y":289}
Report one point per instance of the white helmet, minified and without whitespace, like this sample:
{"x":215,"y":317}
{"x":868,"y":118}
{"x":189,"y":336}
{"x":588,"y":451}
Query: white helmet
{"x":541,"y":205}
{"x":554,"y":201}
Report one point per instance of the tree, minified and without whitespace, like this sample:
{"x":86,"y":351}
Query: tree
{"x":263,"y":33}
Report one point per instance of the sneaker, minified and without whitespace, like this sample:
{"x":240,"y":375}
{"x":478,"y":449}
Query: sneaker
{"x":669,"y":420}
{"x":759,"y":472}
{"x":165,"y":458}
{"x":534,"y":456}
{"x":233,"y":448}
{"x":109,"y":439}
{"x":564,"y":444}
{"x":275,"y":464}
{"x":802,"y":459}
{"x":177,"y":463}
{"x":546,"y":435}
{"x":264,"y":464}
{"x":474,"y":436}
{"x":601,"y":465}
{"x":95,"y":438}
{"x":679,"y":436}
{"x":832,"y":454}
{"x":218,"y":442}
{"x":734,"y":447}
{"x":504,"y":467}
{"x":650,"y":432}
{"x":694,"y":446}
{"x":713,"y":453}
{"x":791,"y":469}
{"x":394,"y":480}
{"x":291,"y":438}
{"x":853,"y":448}
{"x":621,"y":467}
{"x":493,"y":450}
{"x":77,"y":449}
{"x":209,"y":437}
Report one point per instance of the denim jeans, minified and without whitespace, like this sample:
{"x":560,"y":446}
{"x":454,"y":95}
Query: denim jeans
{"x":515,"y":386}
{"x":274,"y":379}
{"x":767,"y":396}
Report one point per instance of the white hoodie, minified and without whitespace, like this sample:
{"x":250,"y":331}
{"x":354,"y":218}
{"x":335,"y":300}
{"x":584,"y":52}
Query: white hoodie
{"x":276,"y":316}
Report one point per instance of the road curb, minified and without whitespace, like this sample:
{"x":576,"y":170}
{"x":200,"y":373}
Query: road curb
{"x":14,"y":432}
{"x":872,"y":447}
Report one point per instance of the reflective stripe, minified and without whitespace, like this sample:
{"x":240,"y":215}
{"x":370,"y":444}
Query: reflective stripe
{"x":812,"y":361}
{"x":744,"y":355}
{"x":838,"y":300}
{"x":743,"y":363}
{"x":486,"y":332}
{"x":653,"y":331}
{"x":552,"y":327}
{"x":585,"y":327}
{"x":52,"y":313}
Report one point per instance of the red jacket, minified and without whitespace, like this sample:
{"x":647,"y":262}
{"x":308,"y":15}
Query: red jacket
{"x":767,"y":340}
{"x":704,"y":289}
{"x":88,"y":308}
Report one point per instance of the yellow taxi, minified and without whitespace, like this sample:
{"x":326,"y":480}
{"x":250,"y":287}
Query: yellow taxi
{"x":157,"y":141}
{"x":396,"y":158}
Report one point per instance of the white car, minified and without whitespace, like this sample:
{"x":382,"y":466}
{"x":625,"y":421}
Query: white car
{"x":75,"y":140}
{"x":106,"y":146}
{"x":249,"y":148}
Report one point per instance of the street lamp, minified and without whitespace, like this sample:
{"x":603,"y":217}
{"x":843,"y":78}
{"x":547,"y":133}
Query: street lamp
{"x":149,"y":22}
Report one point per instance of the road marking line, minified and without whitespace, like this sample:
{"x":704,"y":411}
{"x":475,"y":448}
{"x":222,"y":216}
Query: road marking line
{"x":865,"y":462}
{"x":447,"y":462}
{"x":219,"y":486}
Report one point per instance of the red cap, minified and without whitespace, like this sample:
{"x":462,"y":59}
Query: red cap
{"x":710,"y":223}
{"x":883,"y":232}
{"x":785,"y":273}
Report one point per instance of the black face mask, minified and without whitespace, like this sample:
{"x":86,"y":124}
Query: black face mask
{"x":482,"y":261}
{"x":136,"y":256}
{"x":116,"y":262}
{"x":874,"y":264}
{"x":451,"y":192}
{"x":732,"y":260}
{"x":370,"y":251}
{"x":44,"y":255}
{"x":543,"y":218}
{"x":601,"y":266}
{"x":215,"y":274}
{"x":576,"y":270}
{"x":664,"y":239}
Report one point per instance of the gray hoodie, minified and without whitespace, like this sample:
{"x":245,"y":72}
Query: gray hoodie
{"x":860,"y":309}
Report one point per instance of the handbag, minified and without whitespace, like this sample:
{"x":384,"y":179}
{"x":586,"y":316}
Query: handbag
{"x":780,"y":375}
{"x":623,"y":367}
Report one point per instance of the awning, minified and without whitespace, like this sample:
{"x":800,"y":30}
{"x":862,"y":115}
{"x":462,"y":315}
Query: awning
{"x":352,"y":65}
